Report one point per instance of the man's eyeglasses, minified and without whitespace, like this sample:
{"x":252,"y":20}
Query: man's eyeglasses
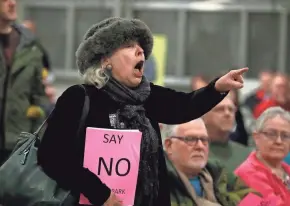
{"x":193,"y":140}
{"x":273,"y":135}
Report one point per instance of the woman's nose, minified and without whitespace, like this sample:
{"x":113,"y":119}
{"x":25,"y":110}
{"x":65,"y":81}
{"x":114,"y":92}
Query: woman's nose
{"x":139,"y":51}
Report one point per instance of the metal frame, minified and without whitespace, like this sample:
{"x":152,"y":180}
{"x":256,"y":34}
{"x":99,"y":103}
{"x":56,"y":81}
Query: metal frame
{"x":70,"y":36}
{"x":127,"y":7}
{"x":205,"y":6}
{"x":67,"y":3}
{"x":283,"y":39}
{"x":181,"y":34}
{"x":244,"y":38}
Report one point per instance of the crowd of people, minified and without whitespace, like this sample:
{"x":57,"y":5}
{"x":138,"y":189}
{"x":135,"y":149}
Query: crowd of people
{"x":203,"y":148}
{"x":221,"y":139}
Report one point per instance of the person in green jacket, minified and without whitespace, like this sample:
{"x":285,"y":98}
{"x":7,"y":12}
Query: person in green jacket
{"x":220,"y":123}
{"x":21,"y":88}
{"x":193,"y":180}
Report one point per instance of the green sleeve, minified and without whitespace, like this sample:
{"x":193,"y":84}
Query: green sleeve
{"x":38,"y":95}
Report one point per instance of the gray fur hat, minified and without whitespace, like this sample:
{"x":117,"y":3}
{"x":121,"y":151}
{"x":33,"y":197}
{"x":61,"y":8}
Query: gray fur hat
{"x":103,"y":38}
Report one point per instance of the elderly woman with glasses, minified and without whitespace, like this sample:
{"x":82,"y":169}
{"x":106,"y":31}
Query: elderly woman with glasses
{"x":111,"y":61}
{"x":264,"y":169}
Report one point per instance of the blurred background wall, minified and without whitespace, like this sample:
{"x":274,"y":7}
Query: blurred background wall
{"x":207,"y":37}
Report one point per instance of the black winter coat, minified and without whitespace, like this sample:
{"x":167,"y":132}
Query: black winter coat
{"x":62,"y":159}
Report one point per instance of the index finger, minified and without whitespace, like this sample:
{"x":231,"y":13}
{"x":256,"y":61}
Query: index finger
{"x":241,"y":71}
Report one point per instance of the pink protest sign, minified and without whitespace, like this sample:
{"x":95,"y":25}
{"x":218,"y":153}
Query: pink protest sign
{"x":254,"y":200}
{"x":114,"y":156}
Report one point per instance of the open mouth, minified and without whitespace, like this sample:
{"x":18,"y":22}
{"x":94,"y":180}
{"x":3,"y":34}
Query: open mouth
{"x":139,"y":65}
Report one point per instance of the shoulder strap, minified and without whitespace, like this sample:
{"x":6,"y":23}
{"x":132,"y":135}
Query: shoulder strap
{"x":85,"y":112}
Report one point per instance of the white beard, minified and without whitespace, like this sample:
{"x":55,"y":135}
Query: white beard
{"x":198,"y":164}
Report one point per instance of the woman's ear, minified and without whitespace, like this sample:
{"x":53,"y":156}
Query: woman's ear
{"x":105,"y":62}
{"x":256,"y":137}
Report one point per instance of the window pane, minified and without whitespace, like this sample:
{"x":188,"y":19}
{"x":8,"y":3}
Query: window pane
{"x":50,"y":29}
{"x":163,"y":22}
{"x":85,"y":18}
{"x":263,"y":42}
{"x":212,"y":43}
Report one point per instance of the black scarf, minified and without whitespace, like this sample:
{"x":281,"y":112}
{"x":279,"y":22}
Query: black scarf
{"x":131,"y":115}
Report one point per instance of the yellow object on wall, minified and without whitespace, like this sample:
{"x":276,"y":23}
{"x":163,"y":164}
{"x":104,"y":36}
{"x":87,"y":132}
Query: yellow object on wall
{"x":155,"y":66}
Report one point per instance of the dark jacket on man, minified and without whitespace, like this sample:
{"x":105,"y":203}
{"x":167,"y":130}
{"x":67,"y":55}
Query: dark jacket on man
{"x":61,"y":153}
{"x":219,"y":186}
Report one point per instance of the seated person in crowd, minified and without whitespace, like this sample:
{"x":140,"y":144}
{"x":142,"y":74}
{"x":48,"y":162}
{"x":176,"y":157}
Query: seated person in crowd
{"x":262,"y":92}
{"x":239,"y":133}
{"x":219,"y":123}
{"x":193,"y":180}
{"x":264,"y":170}
{"x":199,"y":81}
{"x":279,"y":95}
